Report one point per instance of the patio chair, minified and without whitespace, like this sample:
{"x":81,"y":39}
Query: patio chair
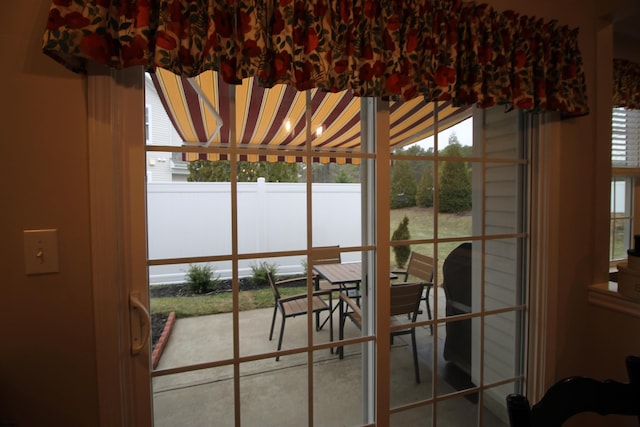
{"x":295,"y":305}
{"x":576,"y":395}
{"x":405,"y":299}
{"x":421,"y":267}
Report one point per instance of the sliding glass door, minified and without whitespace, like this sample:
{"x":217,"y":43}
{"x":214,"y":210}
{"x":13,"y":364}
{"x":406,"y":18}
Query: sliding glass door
{"x":279,"y":177}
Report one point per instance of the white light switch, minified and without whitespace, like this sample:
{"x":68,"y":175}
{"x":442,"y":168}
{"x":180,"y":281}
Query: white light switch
{"x":41,"y":251}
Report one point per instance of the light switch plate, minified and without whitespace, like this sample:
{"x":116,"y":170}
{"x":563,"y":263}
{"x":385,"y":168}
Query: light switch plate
{"x":41,"y":251}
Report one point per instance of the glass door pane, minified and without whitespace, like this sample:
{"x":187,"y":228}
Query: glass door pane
{"x":252,"y":208}
{"x":250,"y":213}
{"x":457,"y":197}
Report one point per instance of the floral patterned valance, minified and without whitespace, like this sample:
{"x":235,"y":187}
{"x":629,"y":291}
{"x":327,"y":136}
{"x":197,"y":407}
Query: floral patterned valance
{"x":463,"y":52}
{"x":626,"y":84}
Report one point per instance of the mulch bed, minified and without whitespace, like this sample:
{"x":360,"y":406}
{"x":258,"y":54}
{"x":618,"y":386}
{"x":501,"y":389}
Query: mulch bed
{"x":158,"y":321}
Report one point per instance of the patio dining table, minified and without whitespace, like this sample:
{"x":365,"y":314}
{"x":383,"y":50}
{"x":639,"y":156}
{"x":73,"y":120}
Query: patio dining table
{"x":343,"y":274}
{"x":340,"y":273}
{"x":347,"y":276}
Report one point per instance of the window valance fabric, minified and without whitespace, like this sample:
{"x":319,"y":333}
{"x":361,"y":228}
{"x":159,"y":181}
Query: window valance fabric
{"x":445,"y":50}
{"x":626,"y":84}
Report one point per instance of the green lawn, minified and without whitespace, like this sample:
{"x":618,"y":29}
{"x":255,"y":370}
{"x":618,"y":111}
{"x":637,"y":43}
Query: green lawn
{"x":200,"y":305}
{"x":421,"y":226}
{"x":421,"y":223}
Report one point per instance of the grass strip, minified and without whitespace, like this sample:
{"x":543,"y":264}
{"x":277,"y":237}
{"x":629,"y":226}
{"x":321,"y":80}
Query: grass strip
{"x":201,"y":305}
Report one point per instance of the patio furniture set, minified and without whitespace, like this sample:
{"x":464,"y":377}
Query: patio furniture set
{"x":331,"y":276}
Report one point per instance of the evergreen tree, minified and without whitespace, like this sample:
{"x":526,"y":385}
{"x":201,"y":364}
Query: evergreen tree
{"x":454,"y":188}
{"x":403,"y":185}
{"x":342,"y":176}
{"x":402,"y":252}
{"x":424,"y":190}
{"x":466,"y":151}
{"x":418,"y":166}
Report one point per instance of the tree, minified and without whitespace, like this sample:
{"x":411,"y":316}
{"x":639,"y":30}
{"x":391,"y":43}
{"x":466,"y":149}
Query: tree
{"x":208,"y":171}
{"x":454,"y":188}
{"x":342,"y":177}
{"x":402,"y":252}
{"x":270,"y":171}
{"x":424,"y":190}
{"x":220,"y":171}
{"x":403,"y":185}
{"x":418,"y":166}
{"x":333,"y":172}
{"x":250,"y":172}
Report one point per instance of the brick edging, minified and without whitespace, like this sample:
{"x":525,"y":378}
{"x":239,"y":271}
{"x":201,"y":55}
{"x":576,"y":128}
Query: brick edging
{"x":162,"y":341}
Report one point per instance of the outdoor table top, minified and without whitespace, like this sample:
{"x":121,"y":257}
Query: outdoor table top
{"x":339,"y":274}
{"x":342,"y":273}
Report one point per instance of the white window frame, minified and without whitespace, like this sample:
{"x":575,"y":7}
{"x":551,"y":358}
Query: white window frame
{"x":628,"y":194}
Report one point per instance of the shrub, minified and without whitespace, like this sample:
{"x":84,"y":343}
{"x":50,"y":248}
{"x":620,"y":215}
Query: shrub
{"x":402,"y":252}
{"x":200,"y":279}
{"x":259,"y":276}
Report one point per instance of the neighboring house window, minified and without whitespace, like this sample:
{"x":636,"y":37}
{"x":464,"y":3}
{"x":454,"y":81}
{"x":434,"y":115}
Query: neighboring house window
{"x":625,"y":162}
{"x":621,"y":216}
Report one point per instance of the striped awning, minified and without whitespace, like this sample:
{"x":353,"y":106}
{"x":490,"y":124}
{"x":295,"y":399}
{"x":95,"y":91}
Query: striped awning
{"x":199,"y":110}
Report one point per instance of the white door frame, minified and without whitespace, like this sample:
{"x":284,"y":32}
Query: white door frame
{"x":118,"y":241}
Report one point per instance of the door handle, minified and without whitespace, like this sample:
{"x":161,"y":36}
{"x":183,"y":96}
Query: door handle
{"x":140,"y":323}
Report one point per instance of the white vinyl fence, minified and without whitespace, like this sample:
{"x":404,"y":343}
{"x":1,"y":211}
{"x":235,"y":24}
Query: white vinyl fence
{"x":194,"y":219}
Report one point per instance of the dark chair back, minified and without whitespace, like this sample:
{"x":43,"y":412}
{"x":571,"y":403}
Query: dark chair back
{"x":272,"y":282}
{"x":405,"y":299}
{"x":325,"y":255}
{"x":421,"y":267}
{"x":576,"y":395}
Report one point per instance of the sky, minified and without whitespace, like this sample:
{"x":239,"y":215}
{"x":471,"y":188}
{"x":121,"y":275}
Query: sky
{"x":463,"y":130}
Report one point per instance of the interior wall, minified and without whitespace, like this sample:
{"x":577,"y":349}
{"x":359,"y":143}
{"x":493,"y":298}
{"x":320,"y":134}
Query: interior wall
{"x":626,"y":48}
{"x":611,"y":335}
{"x":47,"y":354}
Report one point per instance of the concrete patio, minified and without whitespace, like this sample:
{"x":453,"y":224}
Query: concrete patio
{"x":275,"y":393}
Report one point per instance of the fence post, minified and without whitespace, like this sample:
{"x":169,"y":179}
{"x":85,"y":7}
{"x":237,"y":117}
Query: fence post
{"x":261,"y":215}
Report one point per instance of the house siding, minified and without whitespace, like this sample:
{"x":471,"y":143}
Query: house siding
{"x":499,"y":268}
